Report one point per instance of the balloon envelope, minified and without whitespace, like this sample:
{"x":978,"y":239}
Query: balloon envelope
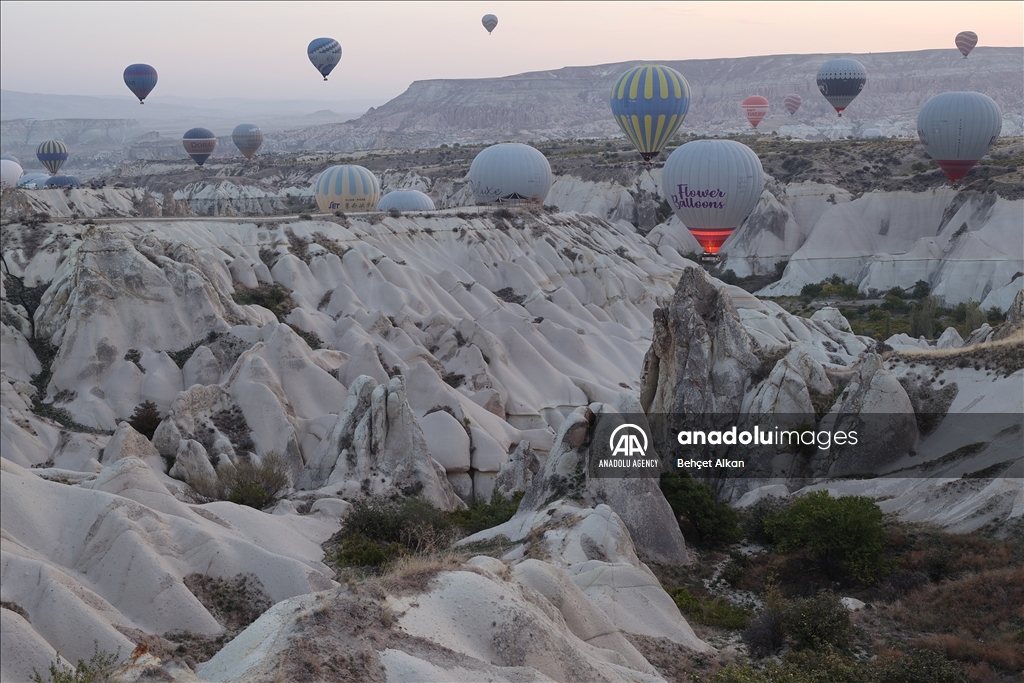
{"x":712,"y":185}
{"x":872,"y":133}
{"x":140,"y":79}
{"x":405,"y":200}
{"x":957,"y":128}
{"x":840,"y":81}
{"x":199,"y":143}
{"x":792,"y":103}
{"x":510,"y":172}
{"x":61,"y":181}
{"x":10,"y":157}
{"x":248,"y":138}
{"x":52,"y":154}
{"x":756,"y":108}
{"x":965,"y":42}
{"x":325,"y":53}
{"x":346,"y":188}
{"x":649,"y":104}
{"x":33,"y":180}
{"x":10,"y":173}
{"x":489,"y":21}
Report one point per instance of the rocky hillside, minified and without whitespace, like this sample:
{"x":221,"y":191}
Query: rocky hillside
{"x":573,"y":102}
{"x":448,"y":355}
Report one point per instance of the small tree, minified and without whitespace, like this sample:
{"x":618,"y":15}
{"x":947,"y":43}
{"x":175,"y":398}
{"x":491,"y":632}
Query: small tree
{"x":695,"y":505}
{"x":923,"y":318}
{"x":843,"y":535}
{"x":145,"y":419}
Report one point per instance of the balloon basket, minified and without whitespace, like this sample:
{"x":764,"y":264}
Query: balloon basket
{"x":708,"y":257}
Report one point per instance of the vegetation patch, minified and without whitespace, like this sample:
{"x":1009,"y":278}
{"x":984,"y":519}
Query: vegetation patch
{"x":275,"y":298}
{"x":145,"y":419}
{"x":96,"y":669}
{"x":701,"y":515}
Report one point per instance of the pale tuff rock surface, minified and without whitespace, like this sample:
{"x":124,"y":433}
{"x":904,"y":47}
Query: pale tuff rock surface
{"x":378,"y":448}
{"x":966,"y":245}
{"x":702,"y":357}
{"x":81,"y":560}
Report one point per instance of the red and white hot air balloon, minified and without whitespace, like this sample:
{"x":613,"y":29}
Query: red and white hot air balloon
{"x":756,"y":108}
{"x":792,"y":103}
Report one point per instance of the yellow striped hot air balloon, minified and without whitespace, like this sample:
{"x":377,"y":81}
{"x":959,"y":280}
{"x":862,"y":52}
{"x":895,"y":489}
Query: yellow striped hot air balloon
{"x":649,"y":103}
{"x":346,"y":188}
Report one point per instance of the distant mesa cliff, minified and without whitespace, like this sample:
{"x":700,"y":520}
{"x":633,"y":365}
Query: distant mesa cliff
{"x":573,"y":101}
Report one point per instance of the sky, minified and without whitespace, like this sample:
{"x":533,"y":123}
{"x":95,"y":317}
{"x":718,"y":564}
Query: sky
{"x":258,"y":50}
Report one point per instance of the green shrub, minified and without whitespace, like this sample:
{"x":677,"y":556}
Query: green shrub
{"x":698,"y":511}
{"x":84,"y":672}
{"x":145,"y":419}
{"x":254,"y":484}
{"x":764,"y":635}
{"x":843,"y":535}
{"x":921,"y":289}
{"x":918,"y":666}
{"x":818,"y":623}
{"x":479,"y":515}
{"x":274,"y":298}
{"x":379,"y":530}
{"x":715,"y":611}
{"x":924,"y":318}
{"x":810,"y":291}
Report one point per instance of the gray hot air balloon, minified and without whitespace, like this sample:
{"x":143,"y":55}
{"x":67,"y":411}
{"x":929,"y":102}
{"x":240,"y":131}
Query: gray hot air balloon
{"x":957,"y":128}
{"x":248,"y":138}
{"x":712,"y":185}
{"x":489,"y":21}
{"x":405,"y":200}
{"x":840,"y":81}
{"x":510,"y":172}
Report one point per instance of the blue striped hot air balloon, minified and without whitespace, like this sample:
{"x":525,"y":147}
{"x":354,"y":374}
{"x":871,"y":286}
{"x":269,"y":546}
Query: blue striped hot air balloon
{"x":52,"y":154}
{"x":140,"y":79}
{"x":649,"y":103}
{"x":346,"y":188}
{"x":199,"y":143}
{"x":248,"y":138}
{"x":325,"y":53}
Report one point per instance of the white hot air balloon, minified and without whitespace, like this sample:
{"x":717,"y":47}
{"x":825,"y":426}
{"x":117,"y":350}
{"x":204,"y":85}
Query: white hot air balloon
{"x":10,"y":173}
{"x":405,"y":200}
{"x":957,"y":128}
{"x":489,"y":21}
{"x":509,"y":172}
{"x":712,"y":185}
{"x":346,"y":188}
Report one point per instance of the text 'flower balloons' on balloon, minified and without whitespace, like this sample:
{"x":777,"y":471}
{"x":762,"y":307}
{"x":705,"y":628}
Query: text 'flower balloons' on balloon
{"x":756,"y":108}
{"x":957,"y":129}
{"x":52,"y":154}
{"x":346,"y":188}
{"x":199,"y":144}
{"x":712,"y":186}
{"x":840,"y":81}
{"x":140,"y":79}
{"x":649,"y":104}
{"x":324,"y":53}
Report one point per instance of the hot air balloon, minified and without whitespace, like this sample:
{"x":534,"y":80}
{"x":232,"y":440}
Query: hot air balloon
{"x":489,"y":21}
{"x":840,"y":81}
{"x":510,"y":172}
{"x":957,"y":128}
{"x":792,"y":103}
{"x":346,"y":188}
{"x":52,"y":154}
{"x":325,"y":53}
{"x":199,"y":143}
{"x":965,"y":42}
{"x":756,"y":108}
{"x":10,"y":157}
{"x":10,"y":173}
{"x":248,"y":138}
{"x":405,"y":200}
{"x":871,"y":133}
{"x":140,"y":79}
{"x":649,"y":104}
{"x":712,"y":185}
{"x":33,"y":180}
{"x":62,"y":181}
